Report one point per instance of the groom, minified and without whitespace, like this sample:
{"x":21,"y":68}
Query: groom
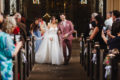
{"x":65,"y":31}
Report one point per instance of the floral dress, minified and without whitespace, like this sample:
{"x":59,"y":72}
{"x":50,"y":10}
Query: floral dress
{"x":6,"y":49}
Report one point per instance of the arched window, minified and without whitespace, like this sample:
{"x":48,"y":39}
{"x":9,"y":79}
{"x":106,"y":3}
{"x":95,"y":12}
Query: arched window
{"x":36,"y":2}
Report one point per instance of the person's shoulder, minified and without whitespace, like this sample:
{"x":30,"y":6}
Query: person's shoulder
{"x":3,"y":34}
{"x":44,"y":22}
{"x":69,"y":21}
{"x":60,"y":23}
{"x":49,"y":23}
{"x":118,"y":38}
{"x":22,"y":24}
{"x":6,"y":35}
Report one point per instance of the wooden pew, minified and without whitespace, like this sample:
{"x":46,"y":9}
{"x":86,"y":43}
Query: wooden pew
{"x":0,"y":74}
{"x":118,"y":73}
{"x":88,"y":58}
{"x":24,"y":68}
{"x":27,"y":56}
{"x":115,"y":60}
{"x":102,"y":68}
{"x":33,"y":51}
{"x":96,"y":70}
{"x":82,"y":42}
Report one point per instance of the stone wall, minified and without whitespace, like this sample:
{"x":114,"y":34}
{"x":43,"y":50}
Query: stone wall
{"x":2,"y":6}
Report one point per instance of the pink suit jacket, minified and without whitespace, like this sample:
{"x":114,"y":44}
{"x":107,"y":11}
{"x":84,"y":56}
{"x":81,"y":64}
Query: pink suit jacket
{"x":67,"y":29}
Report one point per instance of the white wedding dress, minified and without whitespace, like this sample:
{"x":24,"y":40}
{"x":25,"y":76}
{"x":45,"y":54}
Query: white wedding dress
{"x":50,"y":51}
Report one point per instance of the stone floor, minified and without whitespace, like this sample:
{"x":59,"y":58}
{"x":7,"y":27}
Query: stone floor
{"x":73,"y":71}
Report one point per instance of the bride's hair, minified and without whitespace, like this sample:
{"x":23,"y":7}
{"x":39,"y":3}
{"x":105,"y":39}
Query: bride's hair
{"x":52,"y":18}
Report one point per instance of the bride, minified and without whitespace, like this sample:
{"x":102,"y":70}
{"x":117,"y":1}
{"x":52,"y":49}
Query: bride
{"x":50,"y":50}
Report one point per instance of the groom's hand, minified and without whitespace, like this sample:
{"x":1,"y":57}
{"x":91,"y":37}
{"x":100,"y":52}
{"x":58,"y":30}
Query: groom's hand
{"x":66,"y":35}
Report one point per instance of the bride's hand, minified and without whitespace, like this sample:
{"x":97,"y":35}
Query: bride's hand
{"x":59,"y":32}
{"x":51,"y":39}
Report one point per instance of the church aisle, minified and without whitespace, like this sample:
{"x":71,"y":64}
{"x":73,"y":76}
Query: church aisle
{"x":73,"y":71}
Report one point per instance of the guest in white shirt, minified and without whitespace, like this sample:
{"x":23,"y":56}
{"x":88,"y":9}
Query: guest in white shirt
{"x":109,"y":21}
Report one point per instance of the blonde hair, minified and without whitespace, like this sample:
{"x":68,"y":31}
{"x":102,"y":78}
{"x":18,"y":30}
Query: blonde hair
{"x":17,"y":16}
{"x":9,"y":24}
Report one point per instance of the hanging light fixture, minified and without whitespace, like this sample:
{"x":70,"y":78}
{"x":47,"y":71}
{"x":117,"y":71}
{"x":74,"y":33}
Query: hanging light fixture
{"x":64,"y":7}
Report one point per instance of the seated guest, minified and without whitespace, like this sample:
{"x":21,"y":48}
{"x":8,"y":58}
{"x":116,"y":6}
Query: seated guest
{"x":7,"y":48}
{"x":116,"y":19}
{"x":114,"y":42}
{"x":92,"y":23}
{"x":109,"y":21}
{"x":96,"y":34}
{"x":22,"y":26}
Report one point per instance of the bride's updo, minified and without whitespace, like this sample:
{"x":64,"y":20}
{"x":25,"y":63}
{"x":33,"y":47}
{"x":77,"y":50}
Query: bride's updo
{"x":53,"y":19}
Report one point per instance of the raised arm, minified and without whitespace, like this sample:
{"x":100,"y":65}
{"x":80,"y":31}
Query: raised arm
{"x":95,"y":31}
{"x":11,"y":50}
{"x":59,"y":29}
{"x":103,"y":37}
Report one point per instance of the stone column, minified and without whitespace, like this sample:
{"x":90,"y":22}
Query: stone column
{"x":2,"y":6}
{"x":12,"y":6}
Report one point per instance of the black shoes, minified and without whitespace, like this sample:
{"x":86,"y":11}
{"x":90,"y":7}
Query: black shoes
{"x":66,"y":62}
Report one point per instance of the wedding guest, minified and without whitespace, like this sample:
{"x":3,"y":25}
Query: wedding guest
{"x":109,"y":21}
{"x":116,"y":19}
{"x":96,"y":34}
{"x":7,"y":48}
{"x":21,"y":26}
{"x":42,"y":25}
{"x":34,"y":29}
{"x":92,"y":22}
{"x":115,"y":41}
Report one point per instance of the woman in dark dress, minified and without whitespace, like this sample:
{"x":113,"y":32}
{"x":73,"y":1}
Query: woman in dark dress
{"x":96,"y":34}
